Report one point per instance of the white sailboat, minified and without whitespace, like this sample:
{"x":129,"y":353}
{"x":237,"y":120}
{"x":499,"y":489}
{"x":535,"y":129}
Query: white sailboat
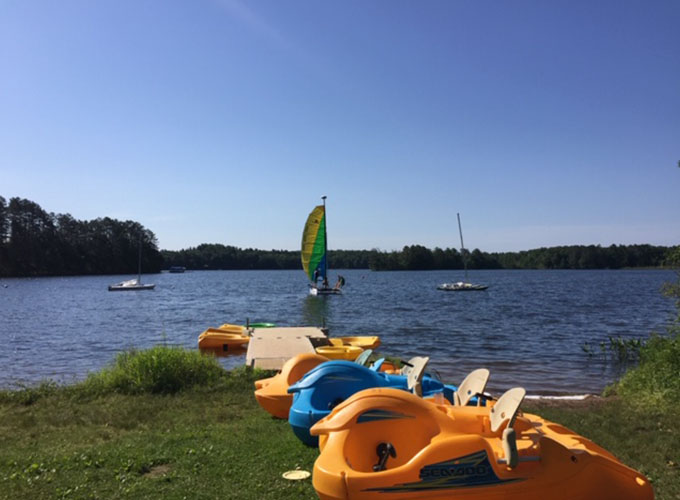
{"x":461,"y":286}
{"x":135,"y":283}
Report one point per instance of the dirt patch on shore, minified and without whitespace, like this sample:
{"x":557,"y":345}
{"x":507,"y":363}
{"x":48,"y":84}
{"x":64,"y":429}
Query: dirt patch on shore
{"x":158,"y":471}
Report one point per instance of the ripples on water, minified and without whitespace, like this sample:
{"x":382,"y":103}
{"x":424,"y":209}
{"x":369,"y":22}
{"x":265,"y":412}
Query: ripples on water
{"x":528,"y":328}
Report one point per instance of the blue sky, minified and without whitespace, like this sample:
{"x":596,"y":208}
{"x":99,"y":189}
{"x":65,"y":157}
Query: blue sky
{"x":225,"y":121}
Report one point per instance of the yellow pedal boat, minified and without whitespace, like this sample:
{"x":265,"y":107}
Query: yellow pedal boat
{"x":222,"y":341}
{"x":368,"y":342}
{"x":272,"y":393}
{"x":391,"y":444}
{"x":346,"y":352}
{"x":229,"y":328}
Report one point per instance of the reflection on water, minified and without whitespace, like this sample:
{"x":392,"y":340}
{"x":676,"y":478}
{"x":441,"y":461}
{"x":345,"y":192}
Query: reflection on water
{"x":528,"y":328}
{"x":316,"y":310}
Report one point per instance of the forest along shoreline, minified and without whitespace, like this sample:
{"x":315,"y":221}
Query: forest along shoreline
{"x":34,"y":242}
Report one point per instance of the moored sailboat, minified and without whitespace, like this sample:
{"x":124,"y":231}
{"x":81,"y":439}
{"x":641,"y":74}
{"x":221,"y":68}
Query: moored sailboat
{"x":314,"y":253}
{"x":135,"y":283}
{"x":462,"y":286}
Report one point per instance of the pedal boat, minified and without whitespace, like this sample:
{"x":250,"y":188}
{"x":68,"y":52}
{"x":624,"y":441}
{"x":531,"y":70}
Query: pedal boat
{"x":388,"y":443}
{"x":327,"y":385}
{"x":272,"y":393}
{"x":223,"y":341}
{"x":346,"y":352}
{"x":367,"y":342}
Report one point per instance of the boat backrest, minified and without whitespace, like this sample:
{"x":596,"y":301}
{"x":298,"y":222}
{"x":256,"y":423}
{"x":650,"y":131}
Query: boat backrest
{"x":408,"y":365}
{"x":506,"y":408}
{"x":362,"y":358}
{"x":474,"y":384}
{"x":414,"y":374}
{"x":510,"y":447}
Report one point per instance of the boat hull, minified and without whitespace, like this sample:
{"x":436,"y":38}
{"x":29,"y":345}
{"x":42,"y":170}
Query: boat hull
{"x":324,"y":291}
{"x":130,"y":288}
{"x":461,"y":287}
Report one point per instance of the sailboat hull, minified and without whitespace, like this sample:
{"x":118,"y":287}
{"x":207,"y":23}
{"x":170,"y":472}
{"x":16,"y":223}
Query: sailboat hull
{"x":323,"y":291}
{"x":461,"y":287}
{"x":125,"y":288}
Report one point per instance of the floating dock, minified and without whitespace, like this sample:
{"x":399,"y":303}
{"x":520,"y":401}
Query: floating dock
{"x":270,"y":348}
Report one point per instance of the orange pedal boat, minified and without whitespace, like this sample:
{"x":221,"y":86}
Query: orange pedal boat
{"x":272,"y":393}
{"x":387,"y":443}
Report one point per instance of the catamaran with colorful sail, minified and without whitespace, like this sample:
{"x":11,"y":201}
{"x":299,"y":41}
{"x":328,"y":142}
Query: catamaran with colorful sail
{"x":315,"y":253}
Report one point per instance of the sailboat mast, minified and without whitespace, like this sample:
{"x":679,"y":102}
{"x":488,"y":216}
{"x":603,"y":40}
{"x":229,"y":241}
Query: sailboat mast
{"x":325,"y":240}
{"x":462,"y":246}
{"x":139,"y":261}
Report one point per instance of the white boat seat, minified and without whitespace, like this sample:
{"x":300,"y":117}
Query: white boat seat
{"x":414,"y":375}
{"x":473,"y":385}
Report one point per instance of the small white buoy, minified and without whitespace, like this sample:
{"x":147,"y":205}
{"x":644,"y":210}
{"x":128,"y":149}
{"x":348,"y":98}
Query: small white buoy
{"x":296,"y":475}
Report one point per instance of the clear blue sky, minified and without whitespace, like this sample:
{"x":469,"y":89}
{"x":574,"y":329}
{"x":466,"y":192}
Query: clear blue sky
{"x":225,"y":121}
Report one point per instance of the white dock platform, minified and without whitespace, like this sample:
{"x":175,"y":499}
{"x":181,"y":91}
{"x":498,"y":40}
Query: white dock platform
{"x":270,"y":348}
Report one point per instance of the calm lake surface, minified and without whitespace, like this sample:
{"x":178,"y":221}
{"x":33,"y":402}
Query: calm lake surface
{"x":528,"y":328}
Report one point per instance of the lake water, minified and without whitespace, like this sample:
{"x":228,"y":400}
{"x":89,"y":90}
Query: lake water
{"x":528,"y":328}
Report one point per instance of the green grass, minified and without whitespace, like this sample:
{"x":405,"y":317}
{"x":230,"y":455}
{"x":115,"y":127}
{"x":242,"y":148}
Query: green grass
{"x":201,"y":442}
{"x":644,"y":438}
{"x":197,"y":433}
{"x":655,"y":382}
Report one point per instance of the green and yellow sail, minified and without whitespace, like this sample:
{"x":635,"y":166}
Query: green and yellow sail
{"x":314,"y":244}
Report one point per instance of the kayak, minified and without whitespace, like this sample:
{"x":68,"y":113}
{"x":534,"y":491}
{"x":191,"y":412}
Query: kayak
{"x":222,"y":341}
{"x":272,"y":393}
{"x":388,"y":443}
{"x":330,"y":383}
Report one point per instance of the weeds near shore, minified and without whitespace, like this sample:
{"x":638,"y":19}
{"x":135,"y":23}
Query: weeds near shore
{"x":622,"y":351}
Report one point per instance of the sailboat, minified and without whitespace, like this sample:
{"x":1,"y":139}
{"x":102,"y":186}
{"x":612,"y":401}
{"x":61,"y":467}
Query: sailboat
{"x":461,"y":286}
{"x":133,"y":284}
{"x":315,"y":253}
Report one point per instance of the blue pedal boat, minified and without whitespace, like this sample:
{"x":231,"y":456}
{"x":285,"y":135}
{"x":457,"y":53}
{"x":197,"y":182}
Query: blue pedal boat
{"x":330,"y":383}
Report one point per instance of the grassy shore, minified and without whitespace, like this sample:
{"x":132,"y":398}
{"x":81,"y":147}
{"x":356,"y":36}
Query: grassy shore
{"x":137,"y":431}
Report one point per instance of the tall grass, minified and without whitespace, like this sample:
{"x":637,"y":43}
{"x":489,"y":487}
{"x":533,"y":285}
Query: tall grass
{"x":159,"y":370}
{"x":656,"y":380}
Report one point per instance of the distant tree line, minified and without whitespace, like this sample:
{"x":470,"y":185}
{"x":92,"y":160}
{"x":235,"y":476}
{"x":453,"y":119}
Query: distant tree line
{"x":36,"y":243}
{"x":215,"y":256}
{"x":417,"y":257}
{"x":563,"y":257}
